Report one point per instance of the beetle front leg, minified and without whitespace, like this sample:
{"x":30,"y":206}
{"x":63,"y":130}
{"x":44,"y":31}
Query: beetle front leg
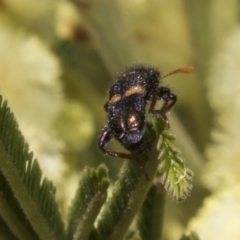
{"x":104,"y":139}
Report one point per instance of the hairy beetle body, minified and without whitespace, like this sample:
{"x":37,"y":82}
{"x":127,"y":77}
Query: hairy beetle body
{"x":126,"y":108}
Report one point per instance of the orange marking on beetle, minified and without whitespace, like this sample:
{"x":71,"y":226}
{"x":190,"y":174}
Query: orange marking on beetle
{"x":134,"y":89}
{"x":115,"y":98}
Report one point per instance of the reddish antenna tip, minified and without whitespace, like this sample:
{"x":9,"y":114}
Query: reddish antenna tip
{"x":185,"y":70}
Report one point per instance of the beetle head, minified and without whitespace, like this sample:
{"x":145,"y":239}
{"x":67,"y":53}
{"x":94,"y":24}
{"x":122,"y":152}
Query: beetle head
{"x":128,"y":128}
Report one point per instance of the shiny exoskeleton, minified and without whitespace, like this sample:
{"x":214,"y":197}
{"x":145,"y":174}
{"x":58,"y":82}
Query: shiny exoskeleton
{"x":127,"y":105}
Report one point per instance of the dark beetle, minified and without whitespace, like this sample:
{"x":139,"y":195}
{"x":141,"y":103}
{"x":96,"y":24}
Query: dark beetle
{"x":127,"y":104}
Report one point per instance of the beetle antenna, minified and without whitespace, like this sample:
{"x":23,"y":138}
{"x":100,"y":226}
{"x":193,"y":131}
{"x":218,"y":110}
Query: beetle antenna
{"x":185,"y":70}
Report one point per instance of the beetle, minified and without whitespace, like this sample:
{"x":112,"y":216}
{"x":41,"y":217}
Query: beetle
{"x":126,"y":108}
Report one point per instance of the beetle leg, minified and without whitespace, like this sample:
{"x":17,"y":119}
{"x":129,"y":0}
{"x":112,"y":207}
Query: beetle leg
{"x":169,"y":100}
{"x":104,"y":139}
{"x":165,"y":94}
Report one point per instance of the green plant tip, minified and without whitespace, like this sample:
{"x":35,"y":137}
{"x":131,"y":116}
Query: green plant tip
{"x":102,"y":172}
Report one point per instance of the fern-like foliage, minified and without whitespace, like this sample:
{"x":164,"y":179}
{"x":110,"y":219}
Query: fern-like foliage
{"x":171,"y":176}
{"x":12,"y":214}
{"x":28,"y":209}
{"x":90,"y":196}
{"x":31,"y":200}
{"x":172,"y":172}
{"x":131,"y":189}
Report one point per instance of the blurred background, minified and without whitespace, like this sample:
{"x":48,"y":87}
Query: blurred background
{"x":58,"y":59}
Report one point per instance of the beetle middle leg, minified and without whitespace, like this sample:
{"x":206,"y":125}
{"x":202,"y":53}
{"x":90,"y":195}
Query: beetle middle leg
{"x":169,"y":100}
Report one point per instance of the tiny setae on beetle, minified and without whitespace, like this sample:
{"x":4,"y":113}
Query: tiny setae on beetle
{"x":126,"y":107}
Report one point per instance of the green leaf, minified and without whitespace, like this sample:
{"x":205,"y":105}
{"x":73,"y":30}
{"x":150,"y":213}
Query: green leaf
{"x":90,"y":196}
{"x":23,"y":190}
{"x":172,"y":173}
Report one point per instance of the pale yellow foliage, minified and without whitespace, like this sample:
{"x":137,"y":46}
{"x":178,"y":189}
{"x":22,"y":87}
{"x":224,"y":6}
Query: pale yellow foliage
{"x":38,"y":16}
{"x":29,"y":80}
{"x":219,"y":216}
{"x":30,"y":9}
{"x":219,"y":219}
{"x":75,"y":125}
{"x":67,"y":18}
{"x":223,"y":169}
